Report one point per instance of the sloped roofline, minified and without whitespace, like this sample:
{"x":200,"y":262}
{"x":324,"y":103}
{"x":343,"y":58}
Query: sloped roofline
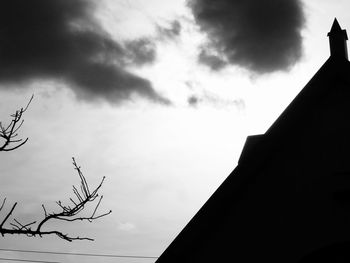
{"x":291,"y":121}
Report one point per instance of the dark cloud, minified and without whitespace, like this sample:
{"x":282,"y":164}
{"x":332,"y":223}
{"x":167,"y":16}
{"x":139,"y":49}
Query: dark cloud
{"x":141,"y":51}
{"x":60,"y":39}
{"x":171,"y":31}
{"x":193,"y":100}
{"x":262,"y":36}
{"x":214,"y":61}
{"x":207,"y":98}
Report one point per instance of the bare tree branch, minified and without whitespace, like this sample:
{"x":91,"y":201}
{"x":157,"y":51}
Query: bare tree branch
{"x":3,"y":203}
{"x":9,"y":132}
{"x":68,"y":213}
{"x":7,"y":216}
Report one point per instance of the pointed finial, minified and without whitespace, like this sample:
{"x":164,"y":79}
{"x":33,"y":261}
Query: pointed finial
{"x":335,"y":27}
{"x":337,"y":41}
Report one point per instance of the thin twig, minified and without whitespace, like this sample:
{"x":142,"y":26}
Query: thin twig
{"x":10,"y":132}
{"x":69,"y":213}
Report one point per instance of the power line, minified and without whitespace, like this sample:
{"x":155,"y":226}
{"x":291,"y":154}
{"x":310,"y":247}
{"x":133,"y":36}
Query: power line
{"x":76,"y":254}
{"x":27,"y":260}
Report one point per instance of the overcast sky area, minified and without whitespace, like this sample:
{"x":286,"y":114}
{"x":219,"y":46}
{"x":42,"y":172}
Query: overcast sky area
{"x":158,"y":96}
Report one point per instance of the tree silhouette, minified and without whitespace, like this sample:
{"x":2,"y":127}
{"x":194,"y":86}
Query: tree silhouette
{"x":71,"y":212}
{"x":9,"y":132}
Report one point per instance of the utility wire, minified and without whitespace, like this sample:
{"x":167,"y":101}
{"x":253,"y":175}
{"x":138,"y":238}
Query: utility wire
{"x":76,"y":254}
{"x":27,"y":260}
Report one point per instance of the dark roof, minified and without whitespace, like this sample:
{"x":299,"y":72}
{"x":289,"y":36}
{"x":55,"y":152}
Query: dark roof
{"x":294,"y":121}
{"x":336,"y":29}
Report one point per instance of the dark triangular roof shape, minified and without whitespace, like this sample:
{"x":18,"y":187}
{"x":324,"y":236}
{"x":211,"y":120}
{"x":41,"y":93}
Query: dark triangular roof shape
{"x":336,"y":29}
{"x":335,"y":26}
{"x":289,"y":196}
{"x":337,"y":41}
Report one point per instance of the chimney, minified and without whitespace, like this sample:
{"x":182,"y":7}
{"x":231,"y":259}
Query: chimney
{"x":337,"y":41}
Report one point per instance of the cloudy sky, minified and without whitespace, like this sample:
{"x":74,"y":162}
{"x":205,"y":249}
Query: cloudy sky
{"x":156,"y":95}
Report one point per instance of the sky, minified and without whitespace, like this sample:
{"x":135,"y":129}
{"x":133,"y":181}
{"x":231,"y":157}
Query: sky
{"x":158,"y":96}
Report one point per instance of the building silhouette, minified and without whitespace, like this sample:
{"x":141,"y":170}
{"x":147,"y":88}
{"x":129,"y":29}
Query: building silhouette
{"x":288,"y":199}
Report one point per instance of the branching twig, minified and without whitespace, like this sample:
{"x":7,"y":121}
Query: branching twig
{"x":68,"y":213}
{"x":72,"y":212}
{"x":3,"y":203}
{"x":9,"y":133}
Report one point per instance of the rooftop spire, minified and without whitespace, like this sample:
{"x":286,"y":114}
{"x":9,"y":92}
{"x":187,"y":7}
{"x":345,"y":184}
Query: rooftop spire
{"x":335,"y":27}
{"x":337,"y":41}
